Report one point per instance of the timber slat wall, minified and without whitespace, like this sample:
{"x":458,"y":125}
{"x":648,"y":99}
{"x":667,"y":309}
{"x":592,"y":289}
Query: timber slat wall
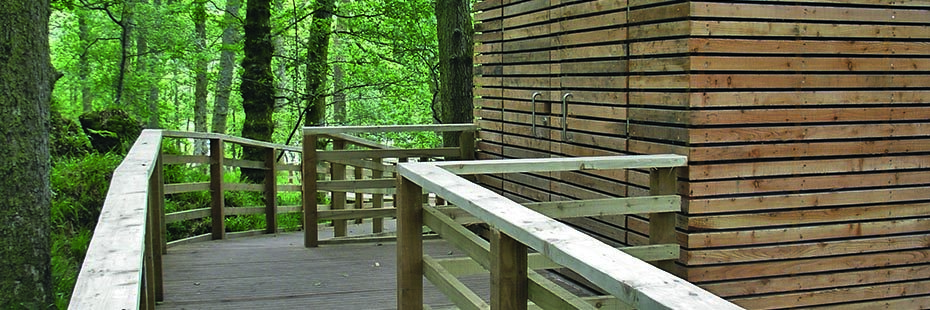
{"x":806,"y":124}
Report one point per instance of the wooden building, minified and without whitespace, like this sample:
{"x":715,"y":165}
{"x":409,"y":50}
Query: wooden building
{"x":806,"y":124}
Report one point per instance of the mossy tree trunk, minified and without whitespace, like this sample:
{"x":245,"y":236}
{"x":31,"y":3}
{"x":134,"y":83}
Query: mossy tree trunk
{"x":257,"y":83}
{"x":317,"y":62}
{"x":455,"y":30}
{"x":26,"y":80}
{"x":227,"y":63}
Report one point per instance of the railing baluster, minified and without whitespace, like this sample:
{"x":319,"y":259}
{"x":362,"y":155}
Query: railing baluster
{"x":156,"y":213}
{"x":359,"y":196}
{"x":508,"y":272}
{"x":409,"y":245}
{"x":216,"y":189}
{"x":338,"y":172}
{"x":309,"y":196}
{"x":271,"y":192}
{"x":377,"y":200}
{"x":663,"y":181}
{"x":467,"y":143}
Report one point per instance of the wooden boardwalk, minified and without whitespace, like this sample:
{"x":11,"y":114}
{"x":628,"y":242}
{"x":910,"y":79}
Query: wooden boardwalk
{"x":277,"y":272}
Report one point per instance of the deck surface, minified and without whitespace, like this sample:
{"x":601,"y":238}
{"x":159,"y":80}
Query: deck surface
{"x":277,"y":272}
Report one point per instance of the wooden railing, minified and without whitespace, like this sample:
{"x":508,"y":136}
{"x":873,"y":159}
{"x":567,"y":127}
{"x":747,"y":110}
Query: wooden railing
{"x":122,"y":268}
{"x":372,"y":167}
{"x":515,"y":229}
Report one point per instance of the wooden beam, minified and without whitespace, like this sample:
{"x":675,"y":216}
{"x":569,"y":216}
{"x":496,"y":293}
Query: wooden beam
{"x":156,"y":241}
{"x":455,"y":290}
{"x":227,"y":138}
{"x":356,"y":214}
{"x":409,"y":245}
{"x":563,"y":164}
{"x":377,"y":200}
{"x":397,"y":128}
{"x":392,"y":153}
{"x":186,"y":187}
{"x":340,"y":185}
{"x":218,"y":227}
{"x":309,"y":195}
{"x":508,"y":272}
{"x":622,"y":275}
{"x":360,"y":141}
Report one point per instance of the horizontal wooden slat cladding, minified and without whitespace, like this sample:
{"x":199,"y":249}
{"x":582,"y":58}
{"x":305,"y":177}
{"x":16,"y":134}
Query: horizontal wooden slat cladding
{"x":803,"y":46}
{"x":813,"y":12}
{"x":806,"y":124}
{"x":807,"y":30}
{"x":805,"y":233}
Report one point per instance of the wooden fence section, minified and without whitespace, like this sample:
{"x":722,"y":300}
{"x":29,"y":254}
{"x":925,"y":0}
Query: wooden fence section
{"x":372,"y":167}
{"x":517,"y":229}
{"x":805,"y":124}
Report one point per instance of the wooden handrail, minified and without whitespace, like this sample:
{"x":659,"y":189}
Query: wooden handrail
{"x":395,"y":128}
{"x":111,"y":276}
{"x":631,"y":280}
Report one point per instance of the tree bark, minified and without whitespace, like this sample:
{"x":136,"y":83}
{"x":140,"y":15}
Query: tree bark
{"x":339,"y":95}
{"x":317,"y":62}
{"x":257,"y":83}
{"x":26,"y":80}
{"x":227,"y":65}
{"x":87,"y":98}
{"x":125,"y":39}
{"x":200,"y":67}
{"x":455,"y":31}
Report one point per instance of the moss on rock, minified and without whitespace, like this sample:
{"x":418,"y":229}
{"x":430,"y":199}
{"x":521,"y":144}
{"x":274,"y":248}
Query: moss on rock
{"x":111,"y":130}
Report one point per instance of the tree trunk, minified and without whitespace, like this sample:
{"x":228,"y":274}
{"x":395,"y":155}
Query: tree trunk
{"x":125,"y":41}
{"x":339,"y":94}
{"x":26,"y":80}
{"x":200,"y":67}
{"x":455,"y":30}
{"x":280,"y":72}
{"x":317,"y":66}
{"x":87,"y":98}
{"x":257,"y":86}
{"x":227,"y":66}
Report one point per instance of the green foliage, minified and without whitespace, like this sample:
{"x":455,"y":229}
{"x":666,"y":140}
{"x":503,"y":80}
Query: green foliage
{"x":66,"y":138}
{"x":79,"y":187}
{"x":111,"y":130}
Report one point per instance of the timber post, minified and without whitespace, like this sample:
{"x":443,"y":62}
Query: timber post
{"x":663,"y":181}
{"x":271,"y":192}
{"x":377,"y":200}
{"x":156,"y":212}
{"x":509,"y":283}
{"x":216,"y":189}
{"x":409,"y":245}
{"x":338,"y":199}
{"x":308,"y":182}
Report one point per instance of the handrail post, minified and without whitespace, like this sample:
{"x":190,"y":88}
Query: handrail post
{"x":338,"y":199}
{"x":509,"y":284}
{"x":377,"y":200}
{"x":156,"y":213}
{"x":216,"y":189}
{"x":467,"y":144}
{"x":271,"y":192}
{"x":409,"y":245}
{"x":309,"y":195}
{"x":359,"y":174}
{"x":663,"y":181}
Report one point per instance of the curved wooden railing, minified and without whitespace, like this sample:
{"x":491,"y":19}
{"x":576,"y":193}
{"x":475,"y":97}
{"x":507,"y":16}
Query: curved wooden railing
{"x":515,"y":228}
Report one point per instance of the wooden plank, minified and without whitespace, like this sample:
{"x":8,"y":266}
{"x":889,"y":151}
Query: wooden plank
{"x":245,"y":187}
{"x":818,"y":231}
{"x":187,"y":215}
{"x":227,"y":138}
{"x":461,"y":295}
{"x":186,"y":187}
{"x":801,"y":217}
{"x":110,"y":276}
{"x":804,"y":250}
{"x":562,"y":164}
{"x":392,"y":153}
{"x":337,"y":199}
{"x":807,"y":12}
{"x":352,"y":185}
{"x":801,"y":46}
{"x":253,"y":164}
{"x":807,"y":30}
{"x":379,"y":129}
{"x":600,"y":263}
{"x":356,"y":214}
{"x":792,"y":283}
{"x":185,"y":159}
{"x":271,"y":191}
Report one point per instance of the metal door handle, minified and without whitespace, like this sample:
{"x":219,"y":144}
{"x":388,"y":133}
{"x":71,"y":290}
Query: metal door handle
{"x":565,"y":115}
{"x":536,"y":94}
